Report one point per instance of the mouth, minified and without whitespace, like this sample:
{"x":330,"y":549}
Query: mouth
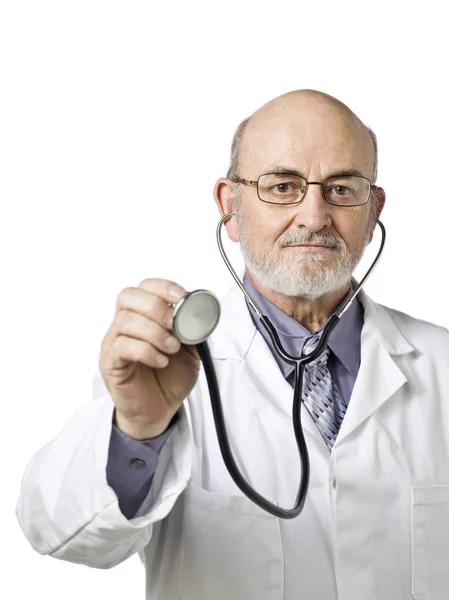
{"x":310,"y":247}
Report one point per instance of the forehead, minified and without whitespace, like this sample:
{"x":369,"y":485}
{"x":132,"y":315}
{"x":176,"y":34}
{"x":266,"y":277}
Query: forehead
{"x":314,"y":141}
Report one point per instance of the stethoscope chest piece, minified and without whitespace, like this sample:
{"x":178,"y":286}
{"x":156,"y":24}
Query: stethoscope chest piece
{"x":195,"y":317}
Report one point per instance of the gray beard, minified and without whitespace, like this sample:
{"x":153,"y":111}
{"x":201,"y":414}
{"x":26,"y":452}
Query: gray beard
{"x":277,"y":275}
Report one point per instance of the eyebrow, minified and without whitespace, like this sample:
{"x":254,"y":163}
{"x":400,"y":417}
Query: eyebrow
{"x":288,"y":171}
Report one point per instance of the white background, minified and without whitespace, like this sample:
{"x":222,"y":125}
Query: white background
{"x":116,"y":120}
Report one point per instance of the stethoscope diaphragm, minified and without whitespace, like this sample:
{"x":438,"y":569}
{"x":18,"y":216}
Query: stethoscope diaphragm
{"x":195,"y":317}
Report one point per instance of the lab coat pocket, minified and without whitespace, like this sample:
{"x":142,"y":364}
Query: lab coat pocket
{"x":231,"y":549}
{"x":430,"y":542}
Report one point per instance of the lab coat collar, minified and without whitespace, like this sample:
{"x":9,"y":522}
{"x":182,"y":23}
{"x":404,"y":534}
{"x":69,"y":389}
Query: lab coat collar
{"x":236,"y":331}
{"x":379,"y":323}
{"x":236,"y":338}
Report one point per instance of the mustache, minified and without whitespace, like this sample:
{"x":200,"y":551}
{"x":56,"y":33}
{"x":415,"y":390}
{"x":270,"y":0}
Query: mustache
{"x":326,"y":238}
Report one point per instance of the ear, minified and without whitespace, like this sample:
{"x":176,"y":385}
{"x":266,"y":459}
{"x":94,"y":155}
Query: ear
{"x":381,"y":197}
{"x":224,"y":194}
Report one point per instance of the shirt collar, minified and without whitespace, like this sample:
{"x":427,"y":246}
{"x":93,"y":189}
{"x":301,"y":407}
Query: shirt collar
{"x":344,"y":340}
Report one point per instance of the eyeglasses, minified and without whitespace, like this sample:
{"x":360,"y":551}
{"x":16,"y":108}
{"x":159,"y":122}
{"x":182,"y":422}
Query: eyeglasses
{"x":283,"y":188}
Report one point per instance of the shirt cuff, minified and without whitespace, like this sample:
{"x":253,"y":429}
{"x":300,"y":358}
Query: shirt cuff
{"x":131,"y":466}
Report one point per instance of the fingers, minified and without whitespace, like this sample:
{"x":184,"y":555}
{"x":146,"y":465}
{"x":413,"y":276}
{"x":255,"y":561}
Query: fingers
{"x":167,"y":290}
{"x":146,"y":304}
{"x":133,"y":337}
{"x":134,"y":325}
{"x":151,"y":298}
{"x":141,"y":329}
{"x":133,"y":350}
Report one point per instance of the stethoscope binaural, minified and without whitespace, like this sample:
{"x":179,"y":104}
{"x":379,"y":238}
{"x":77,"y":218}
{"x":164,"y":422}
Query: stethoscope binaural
{"x":195,"y":317}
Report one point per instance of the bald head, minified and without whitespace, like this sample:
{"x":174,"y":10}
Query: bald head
{"x":302,"y":120}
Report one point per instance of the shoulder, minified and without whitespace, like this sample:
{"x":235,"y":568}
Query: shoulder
{"x":418,"y":332}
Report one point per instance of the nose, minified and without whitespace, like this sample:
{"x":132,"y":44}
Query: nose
{"x":313,"y":212}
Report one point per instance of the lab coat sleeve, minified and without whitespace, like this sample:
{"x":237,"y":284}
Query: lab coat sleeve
{"x":66,"y":508}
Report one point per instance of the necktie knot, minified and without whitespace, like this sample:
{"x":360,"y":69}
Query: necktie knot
{"x":310,"y":345}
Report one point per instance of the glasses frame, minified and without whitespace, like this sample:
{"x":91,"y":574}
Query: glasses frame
{"x":320,"y":183}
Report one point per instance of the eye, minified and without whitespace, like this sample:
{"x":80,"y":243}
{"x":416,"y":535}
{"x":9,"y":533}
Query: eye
{"x":341,"y":190}
{"x":347,"y":190}
{"x":280,"y":188}
{"x":283,"y":188}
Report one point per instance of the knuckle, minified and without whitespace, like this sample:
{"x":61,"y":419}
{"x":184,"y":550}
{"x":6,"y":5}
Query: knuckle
{"x":105,"y":345}
{"x":144,"y":283}
{"x":121,"y":319}
{"x":168,"y":287}
{"x":153,"y":337}
{"x":119,"y":345}
{"x":118,"y":350}
{"x":149,"y":283}
{"x":124,"y":296}
{"x":154,"y":306}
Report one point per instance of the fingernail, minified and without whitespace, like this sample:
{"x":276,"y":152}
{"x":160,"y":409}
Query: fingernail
{"x":176,"y":293}
{"x":171,"y":343}
{"x":162,"y":360}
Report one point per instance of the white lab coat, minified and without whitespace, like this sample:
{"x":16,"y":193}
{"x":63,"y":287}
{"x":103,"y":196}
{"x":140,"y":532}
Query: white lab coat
{"x":376,"y":522}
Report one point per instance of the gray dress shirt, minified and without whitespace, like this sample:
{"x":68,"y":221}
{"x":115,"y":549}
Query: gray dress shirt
{"x":132,"y":463}
{"x":344,"y":341}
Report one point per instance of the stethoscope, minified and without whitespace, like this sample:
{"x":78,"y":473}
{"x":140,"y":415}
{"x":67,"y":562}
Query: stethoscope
{"x":195,"y":317}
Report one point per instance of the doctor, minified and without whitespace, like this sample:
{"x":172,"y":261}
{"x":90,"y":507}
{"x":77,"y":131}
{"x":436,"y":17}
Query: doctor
{"x":139,"y":468}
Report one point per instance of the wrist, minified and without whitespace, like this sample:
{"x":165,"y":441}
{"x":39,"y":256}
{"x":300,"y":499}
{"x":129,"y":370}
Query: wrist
{"x":139,"y":431}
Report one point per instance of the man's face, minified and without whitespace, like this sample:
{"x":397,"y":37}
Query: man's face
{"x":309,"y":249}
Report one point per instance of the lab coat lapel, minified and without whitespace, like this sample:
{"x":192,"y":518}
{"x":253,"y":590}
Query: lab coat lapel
{"x":272,"y":385}
{"x":379,"y":376}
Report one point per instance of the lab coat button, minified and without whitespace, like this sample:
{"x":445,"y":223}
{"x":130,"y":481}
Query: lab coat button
{"x":334,"y":482}
{"x":137,"y":463}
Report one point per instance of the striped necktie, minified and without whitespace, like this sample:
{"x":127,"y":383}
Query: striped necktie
{"x":320,"y":394}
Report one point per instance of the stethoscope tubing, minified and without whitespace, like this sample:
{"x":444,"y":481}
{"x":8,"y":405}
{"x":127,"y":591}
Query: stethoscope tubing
{"x":299,"y":363}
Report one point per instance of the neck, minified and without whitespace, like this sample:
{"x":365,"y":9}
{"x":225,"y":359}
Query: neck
{"x":312,"y":314}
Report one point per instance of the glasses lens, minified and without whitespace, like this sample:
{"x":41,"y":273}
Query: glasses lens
{"x":280,"y":188}
{"x":347,"y":191}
